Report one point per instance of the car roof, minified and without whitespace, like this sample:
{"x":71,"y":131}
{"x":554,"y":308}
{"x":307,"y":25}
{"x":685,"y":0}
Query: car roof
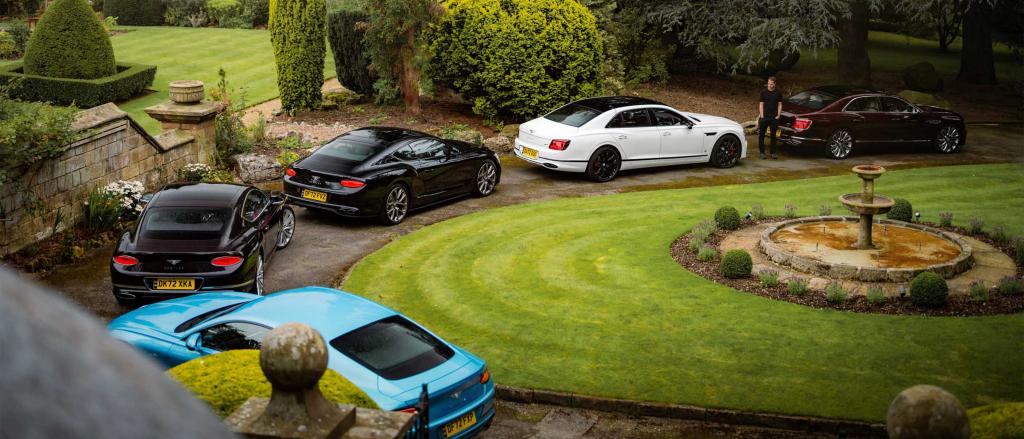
{"x":379,"y":136}
{"x":843,"y":90}
{"x":199,"y":194}
{"x":606,"y":103}
{"x":332,"y":312}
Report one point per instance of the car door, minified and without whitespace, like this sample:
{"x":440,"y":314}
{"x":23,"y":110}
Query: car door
{"x":464,"y":166}
{"x":636,"y":135}
{"x":432,"y":170}
{"x":903,"y":124}
{"x":679,"y":140}
{"x":867,"y":121}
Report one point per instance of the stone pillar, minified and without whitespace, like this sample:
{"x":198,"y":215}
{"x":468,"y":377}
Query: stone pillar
{"x":927,"y":412}
{"x":293,"y":357}
{"x":186,"y":111}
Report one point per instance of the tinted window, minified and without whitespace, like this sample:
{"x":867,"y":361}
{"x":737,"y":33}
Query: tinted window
{"x":631,"y":119}
{"x":354,"y":149}
{"x":863,"y":104}
{"x":255,"y":202}
{"x":231,"y":336}
{"x":393,"y":348}
{"x":574,"y":115}
{"x":185,"y":222}
{"x":404,"y":154}
{"x":811,"y":99}
{"x":428,"y":149}
{"x":893,"y":105}
{"x":665,"y":118}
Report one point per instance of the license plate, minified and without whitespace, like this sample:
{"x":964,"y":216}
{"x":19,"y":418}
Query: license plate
{"x":459,"y":425}
{"x":314,"y":195}
{"x":175,"y":284}
{"x":778,"y":133}
{"x":531,"y":153}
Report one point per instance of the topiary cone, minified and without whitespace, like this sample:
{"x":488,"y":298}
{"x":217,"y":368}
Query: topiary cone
{"x":69,"y":42}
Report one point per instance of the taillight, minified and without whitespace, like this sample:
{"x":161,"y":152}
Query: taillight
{"x":226,"y":261}
{"x":410,"y":410}
{"x":125,"y":260}
{"x":559,"y":144}
{"x":801,"y":124}
{"x":290,"y":172}
{"x":352,"y":184}
{"x":485,"y":377}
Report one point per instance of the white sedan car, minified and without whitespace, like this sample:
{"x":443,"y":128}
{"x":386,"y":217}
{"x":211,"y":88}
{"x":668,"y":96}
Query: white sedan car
{"x":601,"y":136}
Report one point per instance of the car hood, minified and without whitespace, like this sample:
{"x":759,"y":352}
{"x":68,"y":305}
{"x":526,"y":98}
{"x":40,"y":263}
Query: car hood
{"x":709,"y":120}
{"x":164,"y":316}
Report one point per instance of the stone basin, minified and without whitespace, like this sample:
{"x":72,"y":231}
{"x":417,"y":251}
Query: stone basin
{"x":855,"y":203}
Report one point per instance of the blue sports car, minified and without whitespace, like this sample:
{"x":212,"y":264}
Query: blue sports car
{"x":383,"y":353}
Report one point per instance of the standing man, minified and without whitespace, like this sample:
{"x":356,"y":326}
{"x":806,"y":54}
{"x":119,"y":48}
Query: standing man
{"x":769,"y":110}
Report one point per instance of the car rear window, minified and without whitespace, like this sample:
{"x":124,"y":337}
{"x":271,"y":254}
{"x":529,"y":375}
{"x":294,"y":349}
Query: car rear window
{"x":185,"y":223}
{"x":393,"y":348}
{"x":352,"y":149}
{"x":574,"y":115}
{"x":811,"y":99}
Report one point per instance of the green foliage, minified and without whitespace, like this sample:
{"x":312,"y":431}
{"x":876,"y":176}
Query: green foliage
{"x":1018,"y":250}
{"x":901,"y":211}
{"x":835,"y":292}
{"x":975,"y":225}
{"x":258,"y":11}
{"x":736,"y":264}
{"x":875,"y":296}
{"x":18,"y":8}
{"x":345,"y":29}
{"x":979,"y":292}
{"x":102,"y":210}
{"x":30,"y":132}
{"x":945,"y":219}
{"x":727,"y":218}
{"x":789,"y":211}
{"x":297,"y":31}
{"x":230,"y":135}
{"x":997,"y":421}
{"x":189,"y":13}
{"x":825,"y":210}
{"x":392,"y":43}
{"x":707,"y":254}
{"x":69,"y":42}
{"x":929,"y":290}
{"x":769,"y":278}
{"x":129,"y":81}
{"x":8,"y":47}
{"x":695,"y":244}
{"x":707,"y":225}
{"x":797,"y":286}
{"x":999,"y":234}
{"x":135,"y":12}
{"x":478,"y":49}
{"x":286,"y":158}
{"x":20,"y":32}
{"x":1010,"y":286}
{"x":757,"y":212}
{"x":228,"y":13}
{"x":226,"y":380}
{"x":258,"y":130}
{"x":194,"y":172}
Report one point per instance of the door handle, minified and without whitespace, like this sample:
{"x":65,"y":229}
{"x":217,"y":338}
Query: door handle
{"x":666,"y":133}
{"x":622,"y":137}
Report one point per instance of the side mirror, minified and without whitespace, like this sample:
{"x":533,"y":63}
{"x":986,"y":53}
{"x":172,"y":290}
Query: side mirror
{"x":192,"y":342}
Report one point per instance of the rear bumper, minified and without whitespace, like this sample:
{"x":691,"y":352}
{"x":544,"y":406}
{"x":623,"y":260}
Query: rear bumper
{"x":132,"y":286}
{"x":353,"y":205}
{"x":791,"y":137}
{"x":548,"y":162}
{"x":484,"y":409}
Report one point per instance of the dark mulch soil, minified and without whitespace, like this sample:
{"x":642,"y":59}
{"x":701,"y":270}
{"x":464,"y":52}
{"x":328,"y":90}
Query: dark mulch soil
{"x":61,"y":248}
{"x":959,"y":305}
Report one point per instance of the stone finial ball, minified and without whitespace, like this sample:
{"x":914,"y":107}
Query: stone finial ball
{"x":927,"y":412}
{"x":293,"y":356}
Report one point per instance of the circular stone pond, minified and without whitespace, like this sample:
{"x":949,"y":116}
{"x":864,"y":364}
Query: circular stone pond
{"x":827,"y":246}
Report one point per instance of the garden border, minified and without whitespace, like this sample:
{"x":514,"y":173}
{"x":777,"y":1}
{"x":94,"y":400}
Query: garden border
{"x":129,"y":80}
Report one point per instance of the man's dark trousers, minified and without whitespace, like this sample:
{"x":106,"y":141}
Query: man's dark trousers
{"x":771,"y":123}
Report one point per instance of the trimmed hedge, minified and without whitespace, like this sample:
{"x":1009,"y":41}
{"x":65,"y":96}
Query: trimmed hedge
{"x":727,"y":218}
{"x":928,"y":289}
{"x":736,"y":264}
{"x":298,"y":34}
{"x":997,"y":421}
{"x":226,"y":380}
{"x":129,"y":81}
{"x":135,"y":12}
{"x":901,"y":210}
{"x":350,"y":58}
{"x":69,"y":42}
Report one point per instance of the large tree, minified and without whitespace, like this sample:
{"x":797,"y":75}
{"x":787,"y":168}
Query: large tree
{"x":977,"y":64}
{"x":391,"y":38}
{"x":852,"y":55}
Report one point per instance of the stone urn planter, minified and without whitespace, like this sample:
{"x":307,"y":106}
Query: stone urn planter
{"x":186,"y":92}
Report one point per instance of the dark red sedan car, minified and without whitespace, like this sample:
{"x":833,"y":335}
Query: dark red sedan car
{"x":841,"y":118}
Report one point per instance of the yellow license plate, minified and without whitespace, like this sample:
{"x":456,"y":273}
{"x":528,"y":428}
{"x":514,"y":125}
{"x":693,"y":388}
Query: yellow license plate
{"x":175,"y":284}
{"x":314,"y":195}
{"x":778,"y":133}
{"x":459,"y":425}
{"x":531,"y":153}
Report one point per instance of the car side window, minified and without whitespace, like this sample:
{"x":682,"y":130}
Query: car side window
{"x":893,"y":105}
{"x":234,"y":335}
{"x":255,"y":202}
{"x":631,"y":119}
{"x":428,"y":149}
{"x":665,"y":118}
{"x":865,"y":104}
{"x":404,"y":154}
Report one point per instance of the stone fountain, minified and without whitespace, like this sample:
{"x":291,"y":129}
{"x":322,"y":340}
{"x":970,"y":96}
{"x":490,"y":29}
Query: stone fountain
{"x":866,"y":203}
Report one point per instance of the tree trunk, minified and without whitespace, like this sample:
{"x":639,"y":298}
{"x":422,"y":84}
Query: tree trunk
{"x":977,"y":65}
{"x":409,"y":79}
{"x":853,"y":61}
{"x":950,"y":17}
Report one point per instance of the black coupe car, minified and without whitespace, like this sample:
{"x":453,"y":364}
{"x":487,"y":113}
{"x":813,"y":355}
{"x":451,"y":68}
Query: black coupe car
{"x":384,"y":172}
{"x":200,"y":237}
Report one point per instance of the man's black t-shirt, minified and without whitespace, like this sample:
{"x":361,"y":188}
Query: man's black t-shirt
{"x":771,"y":102}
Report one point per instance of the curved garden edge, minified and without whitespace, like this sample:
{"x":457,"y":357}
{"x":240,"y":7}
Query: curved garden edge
{"x":959,"y":306}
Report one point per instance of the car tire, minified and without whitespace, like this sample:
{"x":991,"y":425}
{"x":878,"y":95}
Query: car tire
{"x":726,"y":152}
{"x":604,"y":164}
{"x":284,"y":237}
{"x":840,"y":144}
{"x":257,"y":281}
{"x":486,"y":179}
{"x":395,"y":205}
{"x":947,"y":139}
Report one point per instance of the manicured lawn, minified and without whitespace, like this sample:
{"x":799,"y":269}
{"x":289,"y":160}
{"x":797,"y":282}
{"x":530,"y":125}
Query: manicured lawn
{"x":581,"y":295}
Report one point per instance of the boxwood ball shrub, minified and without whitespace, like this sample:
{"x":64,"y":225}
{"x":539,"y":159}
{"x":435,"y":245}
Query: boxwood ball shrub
{"x":901,"y":211}
{"x":297,"y":31}
{"x":135,"y":12}
{"x":727,"y":218}
{"x":928,"y":289}
{"x":226,"y":380}
{"x":997,"y":421}
{"x":736,"y":264}
{"x":69,"y":42}
{"x":351,"y":61}
{"x":518,"y":58}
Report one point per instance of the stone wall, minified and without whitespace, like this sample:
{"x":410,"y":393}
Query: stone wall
{"x":112,"y":147}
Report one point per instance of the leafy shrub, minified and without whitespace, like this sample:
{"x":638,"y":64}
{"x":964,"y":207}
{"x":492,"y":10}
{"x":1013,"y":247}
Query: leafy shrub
{"x":298,"y":33}
{"x":129,"y":81}
{"x":258,"y":130}
{"x":929,"y":290}
{"x":230,"y":135}
{"x":979,"y":292}
{"x":351,"y":62}
{"x":945,"y":219}
{"x":736,"y":264}
{"x":789,"y":211}
{"x":194,"y":172}
{"x":997,"y":421}
{"x":108,"y":24}
{"x":727,"y":218}
{"x":31,"y":131}
{"x":769,"y":278}
{"x":707,"y":254}
{"x":135,"y":12}
{"x":695,"y":245}
{"x":19,"y":32}
{"x":797,"y":286}
{"x":186,"y":13}
{"x":1010,"y":286}
{"x":8,"y":47}
{"x":825,"y":210}
{"x":975,"y":225}
{"x":293,"y":143}
{"x":836,"y":293}
{"x":901,"y":211}
{"x":69,"y":42}
{"x":478,"y":49}
{"x":228,"y":13}
{"x":102,"y":210}
{"x":226,"y":380}
{"x":700,"y":234}
{"x":286,"y":158}
{"x":757,"y":212}
{"x":258,"y":11}
{"x":999,"y":234}
{"x":875,"y":296}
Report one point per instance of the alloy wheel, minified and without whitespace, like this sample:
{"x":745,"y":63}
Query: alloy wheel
{"x":948,"y":139}
{"x":486,"y":178}
{"x":727,"y":152}
{"x":397,"y":204}
{"x":605,"y":164}
{"x":840,"y":144}
{"x":287,"y":228}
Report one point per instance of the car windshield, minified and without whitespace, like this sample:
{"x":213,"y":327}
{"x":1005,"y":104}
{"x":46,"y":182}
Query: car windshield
{"x":811,"y":99}
{"x":393,"y":348}
{"x":352,"y":149}
{"x":574,"y":115}
{"x":185,"y":223}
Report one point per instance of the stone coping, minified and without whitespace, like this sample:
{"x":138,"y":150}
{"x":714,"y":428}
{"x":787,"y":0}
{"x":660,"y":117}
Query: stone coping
{"x":963,"y":262}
